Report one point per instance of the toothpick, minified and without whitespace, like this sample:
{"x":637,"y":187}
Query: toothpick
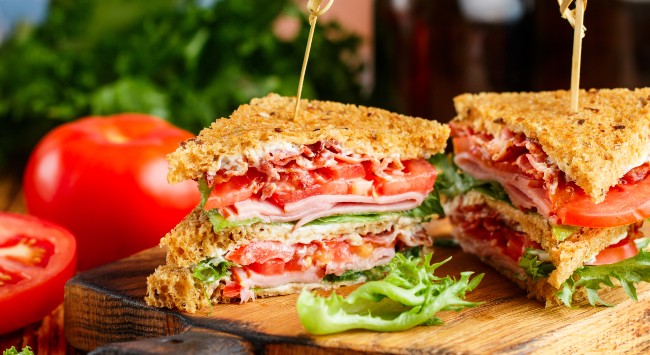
{"x":576,"y":19}
{"x":577,"y":55}
{"x":313,"y":6}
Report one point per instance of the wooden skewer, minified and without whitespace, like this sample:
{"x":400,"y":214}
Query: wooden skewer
{"x":577,"y":55}
{"x":313,"y":6}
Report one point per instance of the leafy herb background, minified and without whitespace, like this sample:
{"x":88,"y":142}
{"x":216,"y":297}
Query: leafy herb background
{"x":186,"y":63}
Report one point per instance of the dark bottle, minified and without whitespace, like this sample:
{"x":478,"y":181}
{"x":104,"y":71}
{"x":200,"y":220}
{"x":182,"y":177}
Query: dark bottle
{"x":427,"y":52}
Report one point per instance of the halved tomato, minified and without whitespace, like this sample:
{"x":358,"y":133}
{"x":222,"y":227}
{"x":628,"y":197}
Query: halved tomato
{"x":36,"y":260}
{"x":620,"y":251}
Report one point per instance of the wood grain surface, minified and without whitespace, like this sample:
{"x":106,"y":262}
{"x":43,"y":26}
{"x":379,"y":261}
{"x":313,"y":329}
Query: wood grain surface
{"x":105,"y":305}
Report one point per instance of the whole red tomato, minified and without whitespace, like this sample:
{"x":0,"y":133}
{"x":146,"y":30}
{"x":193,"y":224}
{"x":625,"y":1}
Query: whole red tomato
{"x":36,"y":259}
{"x":104,"y":178}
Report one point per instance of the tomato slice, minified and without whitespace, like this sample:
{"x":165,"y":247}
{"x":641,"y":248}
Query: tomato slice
{"x":620,"y":251}
{"x":270,"y":267}
{"x":232,"y":290}
{"x":261,"y":252}
{"x":238,"y":188}
{"x":418,"y":175}
{"x":36,"y":259}
{"x":624,"y":204}
{"x":339,"y":179}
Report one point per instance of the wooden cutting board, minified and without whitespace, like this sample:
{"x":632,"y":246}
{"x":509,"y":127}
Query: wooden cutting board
{"x":104,"y":308}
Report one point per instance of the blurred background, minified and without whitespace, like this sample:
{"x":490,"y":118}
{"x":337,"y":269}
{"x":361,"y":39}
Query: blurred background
{"x":192,"y":61}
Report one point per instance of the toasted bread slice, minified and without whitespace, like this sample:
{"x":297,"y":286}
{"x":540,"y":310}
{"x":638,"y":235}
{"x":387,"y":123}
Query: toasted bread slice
{"x":609,"y":135}
{"x":566,"y":255}
{"x":267,"y":125}
{"x":194,"y":240}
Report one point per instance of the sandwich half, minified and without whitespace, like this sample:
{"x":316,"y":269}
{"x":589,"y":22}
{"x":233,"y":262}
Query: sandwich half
{"x":319,"y":201}
{"x":553,"y":200}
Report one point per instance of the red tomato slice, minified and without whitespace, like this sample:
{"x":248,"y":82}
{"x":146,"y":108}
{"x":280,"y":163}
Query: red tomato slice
{"x":261,"y":252}
{"x":622,"y":250}
{"x":314,"y":183}
{"x":238,"y":188}
{"x":418,"y":176}
{"x":36,"y":259}
{"x":624,"y":204}
{"x":232,"y":290}
{"x":270,"y":267}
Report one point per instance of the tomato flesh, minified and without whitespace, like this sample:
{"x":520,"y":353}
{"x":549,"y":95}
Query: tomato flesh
{"x":620,"y":251}
{"x":238,"y":188}
{"x":624,"y":204}
{"x":418,"y":175}
{"x":36,"y":259}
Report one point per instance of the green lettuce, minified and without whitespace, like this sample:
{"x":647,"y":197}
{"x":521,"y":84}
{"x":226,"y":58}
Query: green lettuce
{"x":453,"y":182}
{"x":375,"y":273}
{"x":212,"y":270}
{"x":628,"y":272}
{"x":349,"y":218}
{"x":562,"y":232}
{"x":535,"y":268}
{"x":12,"y":351}
{"x":430,"y":207}
{"x":408,"y":296}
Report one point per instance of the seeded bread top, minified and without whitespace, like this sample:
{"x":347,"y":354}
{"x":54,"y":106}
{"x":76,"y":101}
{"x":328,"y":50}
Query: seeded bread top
{"x":595,"y":147}
{"x":255,"y":129}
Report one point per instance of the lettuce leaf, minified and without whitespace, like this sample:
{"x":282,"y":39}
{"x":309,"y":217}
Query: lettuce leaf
{"x":534,"y":267}
{"x":212,"y":270}
{"x":628,"y":272}
{"x":562,"y":232}
{"x":349,"y":218}
{"x":453,"y":182}
{"x":12,"y":351}
{"x":408,"y":296}
{"x":430,"y":207}
{"x":375,"y":273}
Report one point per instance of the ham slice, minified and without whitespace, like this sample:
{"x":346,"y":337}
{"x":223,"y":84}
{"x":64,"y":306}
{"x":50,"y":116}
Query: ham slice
{"x":314,"y":207}
{"x":518,"y":187}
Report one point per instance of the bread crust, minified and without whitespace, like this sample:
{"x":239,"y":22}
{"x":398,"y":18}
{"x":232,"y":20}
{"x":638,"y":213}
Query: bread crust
{"x":268,"y":122}
{"x":609,"y":135}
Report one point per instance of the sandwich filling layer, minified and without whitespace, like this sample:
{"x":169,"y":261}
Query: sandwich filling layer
{"x":534,"y":182}
{"x":303,"y":184}
{"x":262,"y":265}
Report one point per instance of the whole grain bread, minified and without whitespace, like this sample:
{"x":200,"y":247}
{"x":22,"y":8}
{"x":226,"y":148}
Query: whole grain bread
{"x":194,"y":239}
{"x":566,"y":255}
{"x":594,"y":147}
{"x":269,"y":122}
